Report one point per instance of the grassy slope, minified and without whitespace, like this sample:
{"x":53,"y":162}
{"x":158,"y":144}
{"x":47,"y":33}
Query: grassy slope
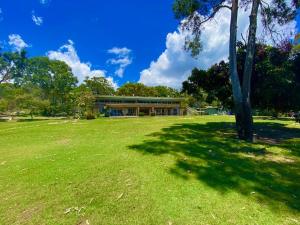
{"x":148,"y":171}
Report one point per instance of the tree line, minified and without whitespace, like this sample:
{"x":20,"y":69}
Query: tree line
{"x":40,"y":86}
{"x":275,"y":82}
{"x":194,"y":14}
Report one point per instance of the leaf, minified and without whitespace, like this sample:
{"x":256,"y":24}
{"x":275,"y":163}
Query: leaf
{"x":120,"y":196}
{"x":68,"y":210}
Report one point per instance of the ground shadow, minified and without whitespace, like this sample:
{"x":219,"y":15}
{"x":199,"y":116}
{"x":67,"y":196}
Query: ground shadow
{"x":275,"y":133}
{"x":211,"y":153}
{"x":30,"y":120}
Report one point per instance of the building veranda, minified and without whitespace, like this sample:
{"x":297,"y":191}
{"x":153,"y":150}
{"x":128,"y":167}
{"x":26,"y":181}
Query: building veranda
{"x":127,"y":106}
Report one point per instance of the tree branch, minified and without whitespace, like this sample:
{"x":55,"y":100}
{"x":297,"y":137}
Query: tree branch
{"x":215,"y":10}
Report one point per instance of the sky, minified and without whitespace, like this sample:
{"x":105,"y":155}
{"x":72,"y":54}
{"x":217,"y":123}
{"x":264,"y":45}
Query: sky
{"x":124,"y":41}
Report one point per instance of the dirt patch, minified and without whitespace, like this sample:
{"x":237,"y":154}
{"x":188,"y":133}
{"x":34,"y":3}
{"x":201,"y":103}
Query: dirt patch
{"x":29,"y":213}
{"x":279,"y":158}
{"x":64,"y":141}
{"x":83,"y":222}
{"x":268,"y":140}
{"x":56,"y":123}
{"x":274,"y":133}
{"x":271,"y":157}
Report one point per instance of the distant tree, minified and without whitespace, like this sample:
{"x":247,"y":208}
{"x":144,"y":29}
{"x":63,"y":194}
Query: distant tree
{"x":24,"y":99}
{"x":134,"y":89}
{"x":8,"y":103}
{"x":197,"y":12}
{"x":56,"y":81}
{"x":53,"y":80}
{"x":12,"y":65}
{"x":164,"y":91}
{"x":29,"y":100}
{"x":40,"y":73}
{"x":210,"y":86}
{"x":84,"y":101}
{"x":138,"y":89}
{"x":275,"y":80}
{"x":99,"y":86}
{"x":63,"y":82}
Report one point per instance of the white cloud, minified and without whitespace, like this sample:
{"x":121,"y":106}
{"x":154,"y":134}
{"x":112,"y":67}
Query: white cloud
{"x":122,"y":59}
{"x":174,"y":65}
{"x":119,"y":51}
{"x":17,"y":42}
{"x":37,"y":19}
{"x":68,"y":54}
{"x":111,"y":80}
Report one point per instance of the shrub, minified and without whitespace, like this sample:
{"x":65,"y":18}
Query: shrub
{"x":90,"y":116}
{"x":141,"y":114}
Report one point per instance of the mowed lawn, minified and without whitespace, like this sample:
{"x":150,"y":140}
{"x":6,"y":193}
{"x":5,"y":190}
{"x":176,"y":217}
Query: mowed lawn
{"x":168,"y":171}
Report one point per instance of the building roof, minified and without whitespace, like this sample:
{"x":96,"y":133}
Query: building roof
{"x":138,"y":98}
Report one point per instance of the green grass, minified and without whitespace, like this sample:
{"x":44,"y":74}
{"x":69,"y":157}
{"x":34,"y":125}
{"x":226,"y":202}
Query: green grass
{"x":172,"y":170}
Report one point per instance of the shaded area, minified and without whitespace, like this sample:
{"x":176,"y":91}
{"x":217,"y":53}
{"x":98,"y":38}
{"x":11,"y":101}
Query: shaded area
{"x":211,"y":153}
{"x":20,"y":119}
{"x":275,"y":133}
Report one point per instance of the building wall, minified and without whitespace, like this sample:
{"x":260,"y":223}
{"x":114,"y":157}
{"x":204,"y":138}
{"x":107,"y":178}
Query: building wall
{"x":130,"y":106}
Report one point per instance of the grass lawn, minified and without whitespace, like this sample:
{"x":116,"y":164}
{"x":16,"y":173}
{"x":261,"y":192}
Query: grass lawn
{"x":160,"y":171}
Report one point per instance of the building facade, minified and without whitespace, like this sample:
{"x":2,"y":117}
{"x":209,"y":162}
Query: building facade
{"x":121,"y":106}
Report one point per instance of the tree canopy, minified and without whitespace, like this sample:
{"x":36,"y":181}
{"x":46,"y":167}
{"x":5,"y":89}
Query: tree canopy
{"x":275,"y":80}
{"x":195,"y":13}
{"x":138,"y":89}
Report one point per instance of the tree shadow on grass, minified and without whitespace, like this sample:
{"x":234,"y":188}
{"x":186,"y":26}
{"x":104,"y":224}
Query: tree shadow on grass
{"x":211,"y":153}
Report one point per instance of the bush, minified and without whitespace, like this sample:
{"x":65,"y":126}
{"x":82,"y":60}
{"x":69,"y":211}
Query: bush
{"x":265,"y":112}
{"x":61,"y":114}
{"x":152,"y":114}
{"x":141,"y":114}
{"x":90,"y":116}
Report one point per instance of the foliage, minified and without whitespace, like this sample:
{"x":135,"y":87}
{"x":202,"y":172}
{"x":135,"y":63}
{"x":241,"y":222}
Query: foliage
{"x":99,"y":86}
{"x":41,"y":86}
{"x":133,"y":89}
{"x":138,"y":89}
{"x":12,"y":66}
{"x":275,"y":80}
{"x":84,"y":101}
{"x":211,"y":85}
{"x":56,"y":81}
{"x":195,"y":13}
{"x":8,"y":95}
{"x":29,"y":99}
{"x":25,"y":99}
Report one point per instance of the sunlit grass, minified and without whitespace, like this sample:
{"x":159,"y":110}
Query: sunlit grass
{"x":161,"y":170}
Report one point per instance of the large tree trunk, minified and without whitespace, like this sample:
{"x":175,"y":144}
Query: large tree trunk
{"x":248,"y":119}
{"x":235,"y":81}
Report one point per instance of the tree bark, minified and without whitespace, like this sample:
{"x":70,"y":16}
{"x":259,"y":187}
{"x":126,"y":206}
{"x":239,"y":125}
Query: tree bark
{"x":235,"y":81}
{"x":248,"y":119}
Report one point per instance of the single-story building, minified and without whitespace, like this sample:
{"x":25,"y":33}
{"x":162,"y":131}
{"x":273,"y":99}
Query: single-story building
{"x":139,"y":106}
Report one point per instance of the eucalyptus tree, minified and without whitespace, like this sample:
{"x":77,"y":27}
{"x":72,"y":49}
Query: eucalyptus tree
{"x":99,"y":86}
{"x":12,"y":66}
{"x":196,"y":13}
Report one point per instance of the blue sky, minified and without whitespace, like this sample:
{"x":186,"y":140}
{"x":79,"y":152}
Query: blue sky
{"x":94,"y":27}
{"x":128,"y":40}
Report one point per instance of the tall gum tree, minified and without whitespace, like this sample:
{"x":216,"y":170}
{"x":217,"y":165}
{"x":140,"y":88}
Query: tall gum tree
{"x":195,"y":13}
